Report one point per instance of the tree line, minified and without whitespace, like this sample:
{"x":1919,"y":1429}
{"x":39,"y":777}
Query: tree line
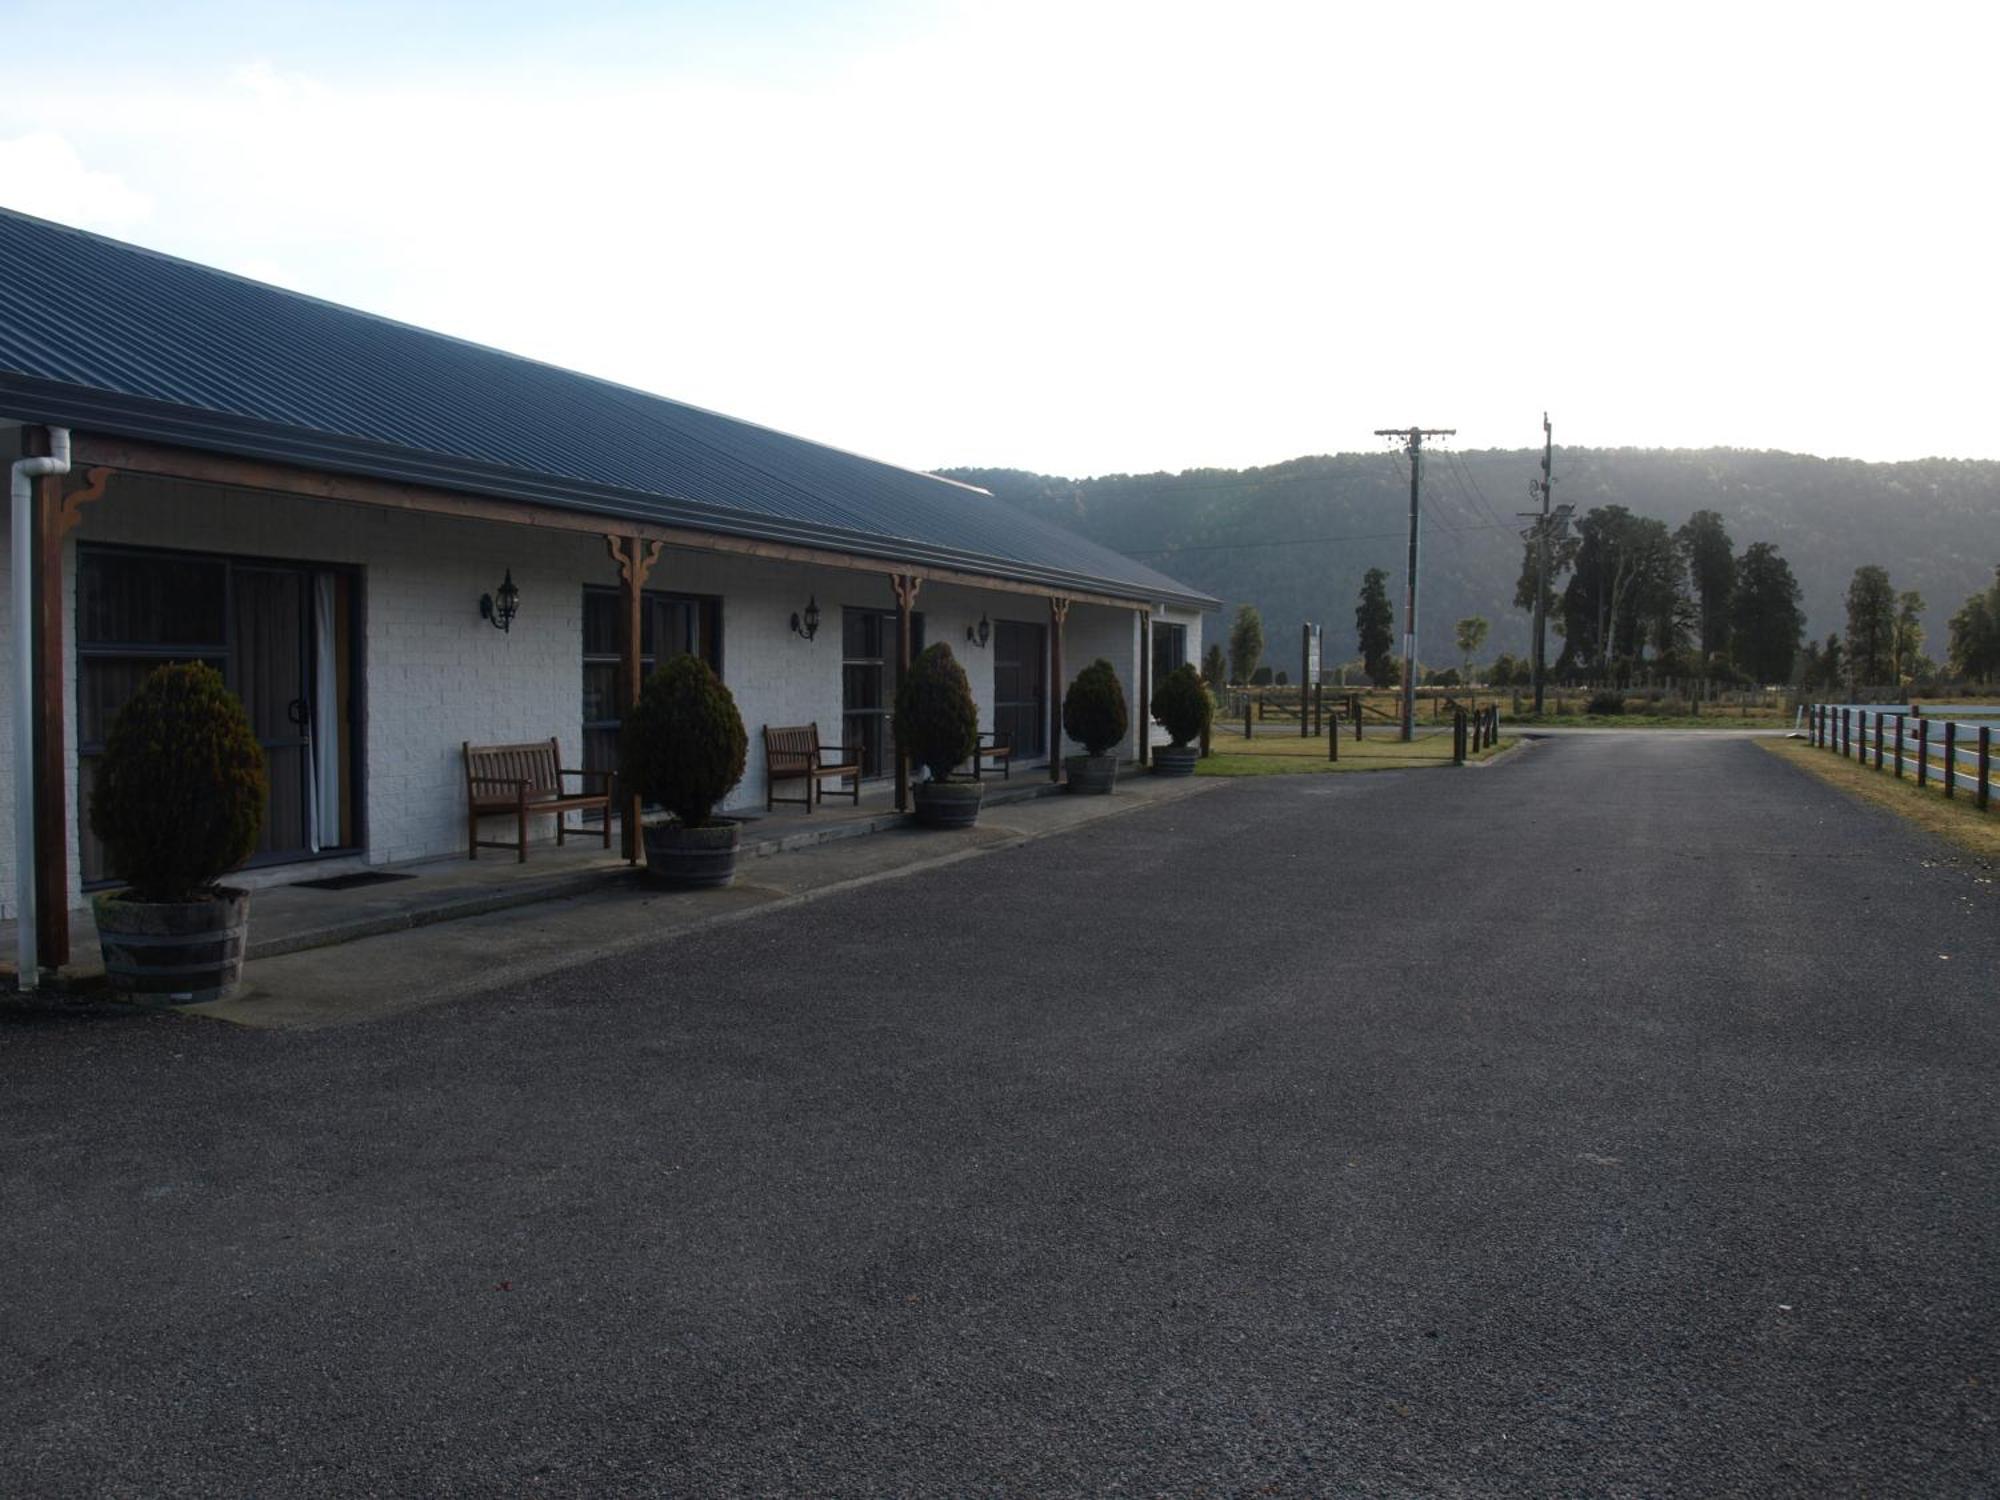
{"x":1296,"y":538}
{"x":1639,"y":602}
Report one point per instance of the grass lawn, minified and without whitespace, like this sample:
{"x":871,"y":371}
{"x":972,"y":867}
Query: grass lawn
{"x":1717,"y":719}
{"x":1958,"y":818}
{"x":1275,"y":753}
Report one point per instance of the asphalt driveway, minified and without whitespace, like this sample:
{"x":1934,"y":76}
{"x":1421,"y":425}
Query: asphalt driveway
{"x":1617,"y":1119}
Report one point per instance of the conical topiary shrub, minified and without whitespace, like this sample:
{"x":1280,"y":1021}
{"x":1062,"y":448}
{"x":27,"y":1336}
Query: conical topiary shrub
{"x":1094,"y":716}
{"x":937,"y":719}
{"x":180,"y":789}
{"x":937,"y":727}
{"x":683,"y":746}
{"x":1182,"y":704}
{"x":179,"y":797}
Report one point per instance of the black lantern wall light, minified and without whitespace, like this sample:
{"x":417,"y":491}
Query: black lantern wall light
{"x":979,"y":634}
{"x":807,"y":624}
{"x":498,"y":610}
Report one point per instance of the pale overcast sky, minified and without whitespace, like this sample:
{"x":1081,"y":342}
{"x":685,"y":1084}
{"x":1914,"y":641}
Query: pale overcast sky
{"x":1085,"y":237}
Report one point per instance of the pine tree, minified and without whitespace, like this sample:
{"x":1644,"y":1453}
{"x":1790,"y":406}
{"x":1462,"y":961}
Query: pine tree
{"x":1871,"y":626}
{"x":1765,"y":618}
{"x":1374,"y":626}
{"x":1711,"y":566}
{"x":1246,"y":643}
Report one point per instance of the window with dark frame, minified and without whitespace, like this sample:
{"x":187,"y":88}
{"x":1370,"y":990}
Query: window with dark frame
{"x":1169,"y":649}
{"x":868,"y":681}
{"x":669,"y":624}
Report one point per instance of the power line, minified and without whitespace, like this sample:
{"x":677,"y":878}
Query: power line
{"x":1311,"y":541}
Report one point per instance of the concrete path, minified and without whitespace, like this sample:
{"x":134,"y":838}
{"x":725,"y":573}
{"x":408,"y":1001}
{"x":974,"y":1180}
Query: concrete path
{"x":1616,"y":1121}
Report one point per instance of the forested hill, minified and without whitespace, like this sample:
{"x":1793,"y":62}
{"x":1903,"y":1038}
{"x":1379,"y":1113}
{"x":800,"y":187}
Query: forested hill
{"x":1295,"y":538}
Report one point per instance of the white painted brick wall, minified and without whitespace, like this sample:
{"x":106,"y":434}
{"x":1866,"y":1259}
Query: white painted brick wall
{"x":1192,"y":620}
{"x":1096,"y":630}
{"x":434,"y":674}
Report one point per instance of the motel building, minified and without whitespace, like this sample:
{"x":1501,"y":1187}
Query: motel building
{"x":339,"y":511}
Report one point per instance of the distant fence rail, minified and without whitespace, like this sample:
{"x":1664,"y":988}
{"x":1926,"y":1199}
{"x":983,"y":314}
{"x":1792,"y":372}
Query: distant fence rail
{"x":1953,"y":748}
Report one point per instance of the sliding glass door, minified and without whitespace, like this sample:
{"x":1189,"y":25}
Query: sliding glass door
{"x":281,"y":635}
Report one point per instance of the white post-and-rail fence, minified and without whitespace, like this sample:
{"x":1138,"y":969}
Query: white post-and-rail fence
{"x":1955,"y":752}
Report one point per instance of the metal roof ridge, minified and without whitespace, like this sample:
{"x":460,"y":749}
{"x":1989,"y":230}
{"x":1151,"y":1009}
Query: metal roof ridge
{"x":492,"y":349}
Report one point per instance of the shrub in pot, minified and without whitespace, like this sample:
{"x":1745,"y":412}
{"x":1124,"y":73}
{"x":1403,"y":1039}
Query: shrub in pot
{"x":937,"y":726}
{"x":683,"y":747}
{"x":1182,"y":704}
{"x":1094,"y":716}
{"x":178,"y":801}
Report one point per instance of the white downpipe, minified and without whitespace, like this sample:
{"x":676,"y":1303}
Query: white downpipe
{"x":28,"y":960}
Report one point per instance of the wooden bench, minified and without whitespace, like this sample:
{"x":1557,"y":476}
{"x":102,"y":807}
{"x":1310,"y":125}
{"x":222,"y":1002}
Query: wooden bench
{"x":792,"y":752}
{"x":525,"y":781}
{"x":995,"y":748}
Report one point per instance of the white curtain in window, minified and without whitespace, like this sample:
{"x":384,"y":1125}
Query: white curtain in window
{"x":323,"y":808}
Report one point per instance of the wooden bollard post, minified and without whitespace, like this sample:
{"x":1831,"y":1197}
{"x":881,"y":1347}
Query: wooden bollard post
{"x":1983,"y":794}
{"x":1951,"y":757}
{"x":1878,"y":740}
{"x":1899,"y":747}
{"x":1458,"y":738}
{"x":1246,"y":718}
{"x":1923,"y":752}
{"x":1333,"y":739}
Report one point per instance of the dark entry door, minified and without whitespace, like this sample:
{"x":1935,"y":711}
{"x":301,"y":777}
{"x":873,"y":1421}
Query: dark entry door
{"x":1020,"y":685}
{"x":268,"y":671}
{"x":868,"y":684}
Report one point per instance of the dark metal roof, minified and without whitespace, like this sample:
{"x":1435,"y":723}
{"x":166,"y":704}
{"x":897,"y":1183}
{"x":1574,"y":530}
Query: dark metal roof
{"x":113,"y":338}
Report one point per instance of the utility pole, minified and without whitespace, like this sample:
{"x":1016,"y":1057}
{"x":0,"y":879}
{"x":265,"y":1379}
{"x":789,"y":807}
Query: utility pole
{"x":1543,"y":532}
{"x":1415,"y":437}
{"x":1542,"y":560}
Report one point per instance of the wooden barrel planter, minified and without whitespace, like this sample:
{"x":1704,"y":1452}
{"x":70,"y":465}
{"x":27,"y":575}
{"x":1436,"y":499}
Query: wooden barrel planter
{"x":173,"y":952}
{"x":947,"y":804}
{"x":693,"y":858}
{"x":1175,"y":760}
{"x":1092,"y":775}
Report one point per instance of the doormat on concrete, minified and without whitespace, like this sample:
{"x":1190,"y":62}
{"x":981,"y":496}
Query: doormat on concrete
{"x":349,"y":882}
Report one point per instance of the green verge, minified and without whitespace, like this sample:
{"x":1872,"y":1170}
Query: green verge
{"x":1956,"y":818}
{"x":1307,"y":757}
{"x":1717,"y":720}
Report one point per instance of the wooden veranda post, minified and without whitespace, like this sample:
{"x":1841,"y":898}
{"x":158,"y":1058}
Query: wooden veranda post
{"x":635,"y":558}
{"x":1058,"y":616}
{"x":1144,"y":716}
{"x":906,"y":586}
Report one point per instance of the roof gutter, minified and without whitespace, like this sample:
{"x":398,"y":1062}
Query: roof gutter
{"x":28,"y":968}
{"x":149,"y":420}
